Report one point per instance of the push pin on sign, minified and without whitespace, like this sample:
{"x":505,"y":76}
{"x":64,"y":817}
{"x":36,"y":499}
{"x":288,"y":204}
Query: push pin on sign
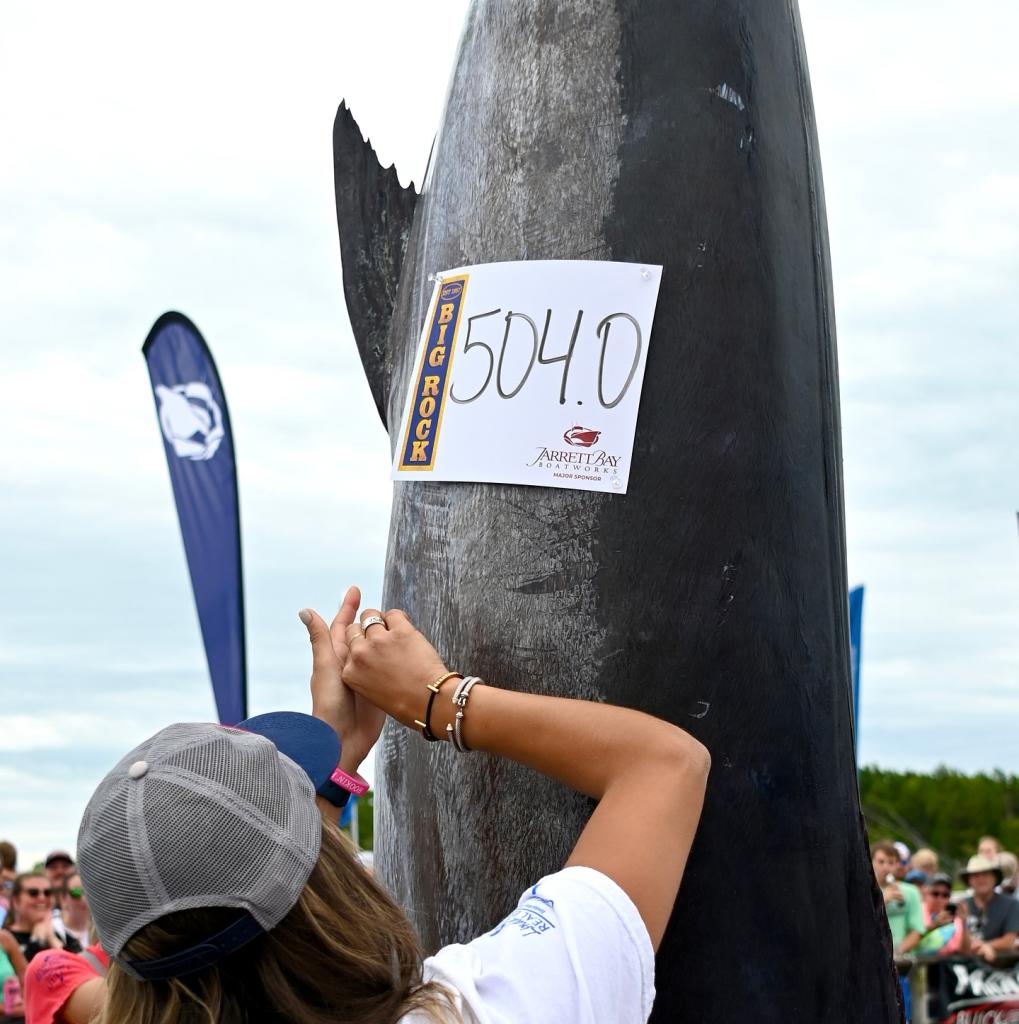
{"x":645,"y":275}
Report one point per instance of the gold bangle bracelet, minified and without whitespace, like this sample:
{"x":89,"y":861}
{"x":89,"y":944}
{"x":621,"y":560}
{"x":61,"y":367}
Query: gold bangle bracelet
{"x":433,"y":688}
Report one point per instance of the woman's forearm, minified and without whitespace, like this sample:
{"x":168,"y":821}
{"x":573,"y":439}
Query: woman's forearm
{"x":647,"y":775}
{"x":582,"y":744}
{"x":9,"y":944}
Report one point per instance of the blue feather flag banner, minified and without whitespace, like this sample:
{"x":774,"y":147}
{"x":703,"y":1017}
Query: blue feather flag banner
{"x":347,"y":814}
{"x":192,"y":413}
{"x":855,"y":638}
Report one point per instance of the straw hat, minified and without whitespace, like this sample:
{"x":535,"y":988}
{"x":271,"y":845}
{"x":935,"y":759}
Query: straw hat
{"x":979,"y":864}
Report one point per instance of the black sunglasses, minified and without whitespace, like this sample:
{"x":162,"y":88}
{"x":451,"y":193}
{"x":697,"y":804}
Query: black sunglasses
{"x":944,"y":894}
{"x":36,"y":893}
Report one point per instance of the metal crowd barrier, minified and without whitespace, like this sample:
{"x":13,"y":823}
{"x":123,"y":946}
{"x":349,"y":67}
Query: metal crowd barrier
{"x":962,"y":989}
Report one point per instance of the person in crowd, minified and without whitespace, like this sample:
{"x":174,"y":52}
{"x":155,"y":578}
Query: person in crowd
{"x":8,"y":872}
{"x":945,"y":928}
{"x":58,"y":864}
{"x":324,"y":942}
{"x":902,"y":900}
{"x":66,"y":988}
{"x":902,"y":865}
{"x":992,"y":920}
{"x":1009,"y":864}
{"x":924,"y":863}
{"x":31,"y":918}
{"x":75,"y":918}
{"x":989,"y":847}
{"x":12,"y":966}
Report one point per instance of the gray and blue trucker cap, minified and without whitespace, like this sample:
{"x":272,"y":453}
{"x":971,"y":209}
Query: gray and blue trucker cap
{"x":204,"y":815}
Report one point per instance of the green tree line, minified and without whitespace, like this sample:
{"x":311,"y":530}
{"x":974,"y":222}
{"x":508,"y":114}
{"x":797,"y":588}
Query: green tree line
{"x":946,"y":810}
{"x":365,"y":821}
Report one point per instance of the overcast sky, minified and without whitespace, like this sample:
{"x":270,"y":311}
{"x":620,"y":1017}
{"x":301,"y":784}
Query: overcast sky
{"x":183,"y":161}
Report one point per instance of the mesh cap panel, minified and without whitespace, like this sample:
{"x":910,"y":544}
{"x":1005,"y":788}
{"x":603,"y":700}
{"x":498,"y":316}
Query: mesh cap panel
{"x":197,"y":816}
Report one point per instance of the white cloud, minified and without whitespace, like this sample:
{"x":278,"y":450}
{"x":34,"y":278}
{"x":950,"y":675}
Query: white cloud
{"x":62,"y":730}
{"x":922,"y":206}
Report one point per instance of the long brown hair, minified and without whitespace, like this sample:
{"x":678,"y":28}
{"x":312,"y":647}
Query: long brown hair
{"x":345,"y":952}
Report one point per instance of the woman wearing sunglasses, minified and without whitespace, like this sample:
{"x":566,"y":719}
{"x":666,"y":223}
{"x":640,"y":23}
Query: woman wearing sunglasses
{"x":29,"y":929}
{"x":31,"y":917}
{"x":946,"y":922}
{"x":224,"y":894}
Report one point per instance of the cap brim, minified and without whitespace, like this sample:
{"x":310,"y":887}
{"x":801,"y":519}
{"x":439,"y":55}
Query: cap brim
{"x":308,"y":741}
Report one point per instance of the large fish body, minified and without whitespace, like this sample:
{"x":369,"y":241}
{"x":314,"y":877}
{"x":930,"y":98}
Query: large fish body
{"x":713,"y":593}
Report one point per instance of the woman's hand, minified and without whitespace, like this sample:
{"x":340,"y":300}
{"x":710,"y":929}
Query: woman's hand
{"x":391,"y":664}
{"x":356,"y":720}
{"x":44,"y":934}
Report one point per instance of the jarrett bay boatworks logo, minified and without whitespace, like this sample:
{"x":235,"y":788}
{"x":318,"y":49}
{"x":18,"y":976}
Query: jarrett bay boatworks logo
{"x":582,"y":437}
{"x":191,"y":420}
{"x":593,"y":466}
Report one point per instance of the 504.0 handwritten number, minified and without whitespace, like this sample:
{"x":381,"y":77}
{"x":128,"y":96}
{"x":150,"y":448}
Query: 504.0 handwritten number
{"x":538,"y":355}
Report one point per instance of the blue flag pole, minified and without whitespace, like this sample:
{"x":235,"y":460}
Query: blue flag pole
{"x":855,"y":637}
{"x":192,"y":413}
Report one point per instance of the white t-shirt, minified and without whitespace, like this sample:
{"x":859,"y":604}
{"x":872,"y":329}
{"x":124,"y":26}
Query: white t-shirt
{"x":575,"y":951}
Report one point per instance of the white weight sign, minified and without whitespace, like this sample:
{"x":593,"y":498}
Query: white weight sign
{"x":530,"y":373}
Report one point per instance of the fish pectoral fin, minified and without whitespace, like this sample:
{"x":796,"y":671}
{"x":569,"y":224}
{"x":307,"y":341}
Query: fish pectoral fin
{"x":374,"y":214}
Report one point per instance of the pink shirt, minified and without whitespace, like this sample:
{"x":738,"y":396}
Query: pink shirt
{"x":52,"y":977}
{"x":951,"y":946}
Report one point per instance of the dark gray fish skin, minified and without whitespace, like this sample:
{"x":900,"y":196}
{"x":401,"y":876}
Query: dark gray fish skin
{"x":713,"y":593}
{"x":368,"y":194}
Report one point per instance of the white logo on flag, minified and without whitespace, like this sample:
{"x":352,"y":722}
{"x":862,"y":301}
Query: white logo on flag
{"x":191,"y":420}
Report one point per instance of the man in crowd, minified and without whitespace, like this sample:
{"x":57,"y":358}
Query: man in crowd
{"x":989,"y":847}
{"x":59,"y":864}
{"x":902,"y":867}
{"x":991,"y":918}
{"x":1009,"y":864}
{"x":902,"y":900}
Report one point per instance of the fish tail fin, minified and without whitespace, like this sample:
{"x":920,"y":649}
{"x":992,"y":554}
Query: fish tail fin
{"x":374,"y":214}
